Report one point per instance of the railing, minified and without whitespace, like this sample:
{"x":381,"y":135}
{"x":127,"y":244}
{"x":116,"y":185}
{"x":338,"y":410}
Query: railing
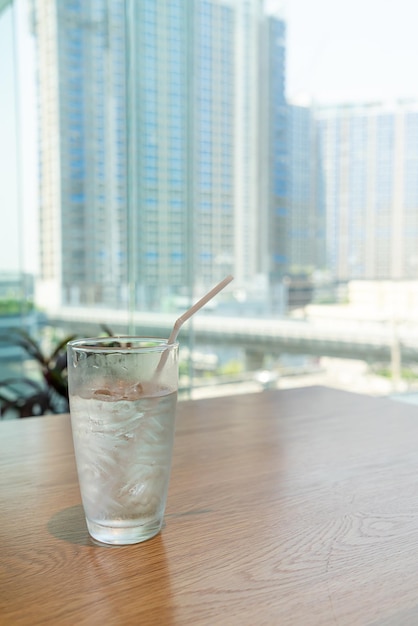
{"x":342,"y":338}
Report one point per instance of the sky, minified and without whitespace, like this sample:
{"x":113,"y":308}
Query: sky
{"x":351,"y":50}
{"x":337,"y":51}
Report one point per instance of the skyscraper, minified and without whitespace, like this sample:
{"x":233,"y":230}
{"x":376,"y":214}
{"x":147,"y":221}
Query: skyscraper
{"x":153,"y":163}
{"x":370,"y":160}
{"x":306,"y":223}
{"x":182,"y":143}
{"x":273,"y":165}
{"x":81,"y":60}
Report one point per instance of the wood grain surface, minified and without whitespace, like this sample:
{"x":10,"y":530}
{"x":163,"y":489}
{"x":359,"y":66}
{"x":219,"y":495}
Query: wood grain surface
{"x":296,"y":507}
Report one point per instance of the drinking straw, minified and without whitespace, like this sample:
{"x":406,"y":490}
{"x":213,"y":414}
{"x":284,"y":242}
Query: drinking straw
{"x":187,"y":314}
{"x":198,"y":305}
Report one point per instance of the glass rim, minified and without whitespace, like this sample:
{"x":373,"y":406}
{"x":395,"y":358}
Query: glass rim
{"x":102,"y":344}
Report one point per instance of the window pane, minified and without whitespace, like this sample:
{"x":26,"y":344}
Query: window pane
{"x":151,"y":148}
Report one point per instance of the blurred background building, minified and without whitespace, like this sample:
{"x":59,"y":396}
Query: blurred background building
{"x":369,"y":156}
{"x":306,"y":227}
{"x":156,"y":176}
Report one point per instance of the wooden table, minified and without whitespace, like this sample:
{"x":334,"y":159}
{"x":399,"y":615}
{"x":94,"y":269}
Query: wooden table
{"x":291,"y":507}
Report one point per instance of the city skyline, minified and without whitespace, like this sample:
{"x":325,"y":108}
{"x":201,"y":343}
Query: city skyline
{"x":307,"y":32}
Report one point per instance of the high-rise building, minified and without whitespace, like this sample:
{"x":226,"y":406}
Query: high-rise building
{"x":81,"y":60}
{"x":159,"y":135}
{"x":273,"y":165}
{"x":181,"y":145}
{"x":370,"y":163}
{"x":306,"y":222}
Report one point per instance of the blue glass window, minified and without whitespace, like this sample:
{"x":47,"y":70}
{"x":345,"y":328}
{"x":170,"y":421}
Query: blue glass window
{"x":281,"y":211}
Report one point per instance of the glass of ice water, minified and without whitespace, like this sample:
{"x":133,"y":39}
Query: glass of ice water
{"x":123,"y":395}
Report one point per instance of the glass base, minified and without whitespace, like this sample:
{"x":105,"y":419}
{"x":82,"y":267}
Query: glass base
{"x":123,"y":535}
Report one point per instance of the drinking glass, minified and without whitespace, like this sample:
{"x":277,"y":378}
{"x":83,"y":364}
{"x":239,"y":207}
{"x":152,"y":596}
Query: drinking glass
{"x":123,"y":396}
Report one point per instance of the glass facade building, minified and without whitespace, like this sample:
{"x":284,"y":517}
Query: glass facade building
{"x":151,"y":148}
{"x":306,"y":224}
{"x":369,"y":159}
{"x":352,"y":190}
{"x":82,"y":136}
{"x":273,"y":171}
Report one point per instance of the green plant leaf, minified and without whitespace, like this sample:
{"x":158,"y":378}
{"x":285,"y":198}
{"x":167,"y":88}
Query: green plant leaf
{"x":55,"y":380}
{"x":61,"y":346}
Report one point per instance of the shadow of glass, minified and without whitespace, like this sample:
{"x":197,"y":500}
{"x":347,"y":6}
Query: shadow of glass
{"x":70,"y":525}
